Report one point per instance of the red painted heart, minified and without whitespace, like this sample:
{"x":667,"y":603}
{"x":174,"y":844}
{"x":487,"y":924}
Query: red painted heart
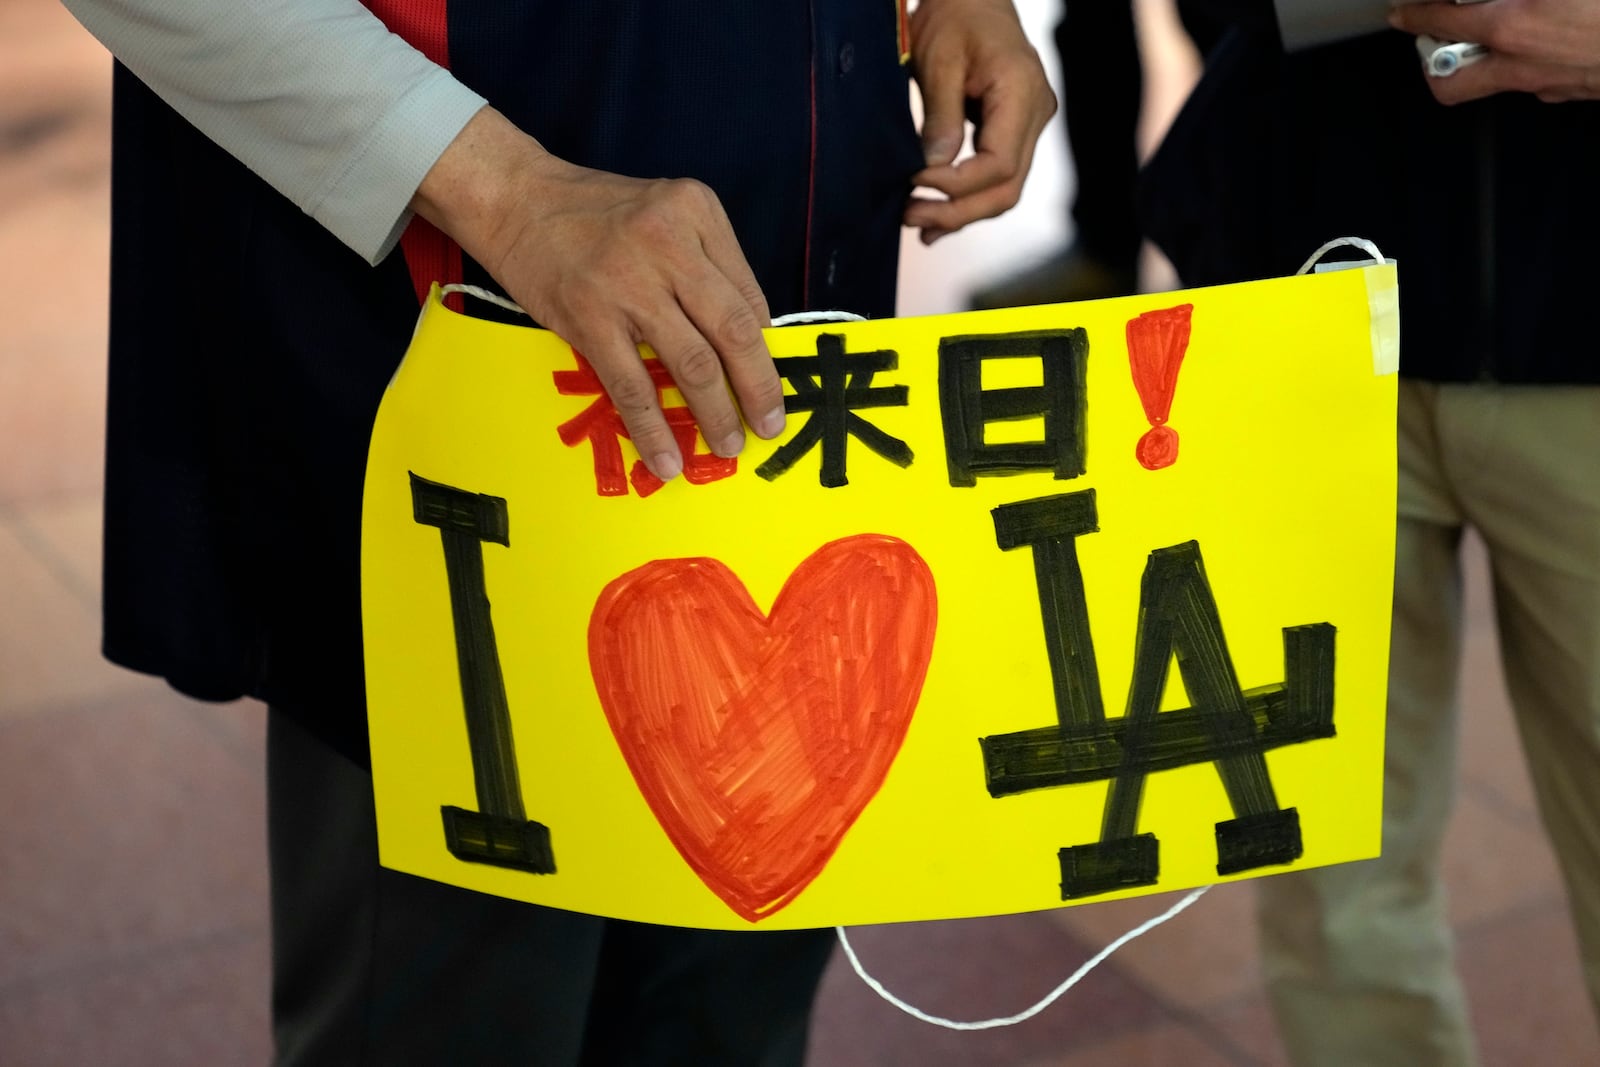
{"x":758,"y":739}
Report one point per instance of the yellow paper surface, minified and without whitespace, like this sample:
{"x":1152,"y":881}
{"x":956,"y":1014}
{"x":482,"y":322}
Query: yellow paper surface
{"x":1284,"y":480}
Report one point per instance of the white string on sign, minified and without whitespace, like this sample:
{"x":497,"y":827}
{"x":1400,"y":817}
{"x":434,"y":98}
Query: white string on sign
{"x":482,"y":294}
{"x":1027,"y":1013}
{"x":1342,"y":242}
{"x":798,"y":318}
{"x":806,"y":318}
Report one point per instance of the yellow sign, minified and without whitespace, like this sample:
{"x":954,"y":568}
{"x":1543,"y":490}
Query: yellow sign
{"x":1025,"y":608}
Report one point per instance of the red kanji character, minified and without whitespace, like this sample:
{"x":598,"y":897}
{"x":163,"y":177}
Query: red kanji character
{"x":602,"y":427}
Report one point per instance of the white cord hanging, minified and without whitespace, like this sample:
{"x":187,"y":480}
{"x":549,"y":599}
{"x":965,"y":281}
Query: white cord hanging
{"x":798,"y":318}
{"x":1027,"y":1013}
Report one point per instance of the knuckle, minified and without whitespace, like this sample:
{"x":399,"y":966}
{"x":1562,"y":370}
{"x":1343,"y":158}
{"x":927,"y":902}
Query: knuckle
{"x":716,"y":428}
{"x":689,"y":194}
{"x":656,"y":221}
{"x":632,"y":396}
{"x":737,"y":328}
{"x":674,"y":207}
{"x":697,"y":368}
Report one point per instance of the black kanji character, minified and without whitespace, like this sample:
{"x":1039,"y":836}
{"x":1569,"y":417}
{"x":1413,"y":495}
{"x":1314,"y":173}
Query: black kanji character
{"x":834,"y":385}
{"x":967,"y":407}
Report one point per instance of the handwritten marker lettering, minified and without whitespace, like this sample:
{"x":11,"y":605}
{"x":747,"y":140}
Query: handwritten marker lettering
{"x":1157,"y":342}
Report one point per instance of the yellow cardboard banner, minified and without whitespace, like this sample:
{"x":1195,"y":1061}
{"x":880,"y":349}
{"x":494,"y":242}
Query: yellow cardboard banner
{"x":1024,"y":608}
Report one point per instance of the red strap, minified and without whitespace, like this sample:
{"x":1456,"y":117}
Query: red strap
{"x":430,"y":255}
{"x":421,"y":23}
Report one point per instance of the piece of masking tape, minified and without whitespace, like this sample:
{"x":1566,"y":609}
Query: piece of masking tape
{"x":1383,"y":310}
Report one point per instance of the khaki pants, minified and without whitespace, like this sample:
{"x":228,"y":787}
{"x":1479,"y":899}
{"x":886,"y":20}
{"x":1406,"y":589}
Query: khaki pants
{"x":1359,"y":958}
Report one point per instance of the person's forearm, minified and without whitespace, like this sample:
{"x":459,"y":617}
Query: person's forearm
{"x":316,"y":96}
{"x":479,"y":182}
{"x":360,"y":129}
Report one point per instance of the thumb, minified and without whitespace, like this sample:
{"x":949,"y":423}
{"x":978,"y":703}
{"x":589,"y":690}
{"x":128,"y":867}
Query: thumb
{"x":944,"y":126}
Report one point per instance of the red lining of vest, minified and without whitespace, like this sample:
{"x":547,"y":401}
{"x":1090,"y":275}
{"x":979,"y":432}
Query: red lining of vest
{"x":430,"y":255}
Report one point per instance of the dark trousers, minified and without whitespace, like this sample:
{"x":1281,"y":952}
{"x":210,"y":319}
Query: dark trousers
{"x":372,"y":968}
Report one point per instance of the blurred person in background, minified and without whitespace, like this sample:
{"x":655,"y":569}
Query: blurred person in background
{"x":1102,"y":95}
{"x":1490,"y":208}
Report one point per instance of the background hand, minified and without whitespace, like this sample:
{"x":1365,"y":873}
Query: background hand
{"x":974,"y":51}
{"x":1550,"y":48}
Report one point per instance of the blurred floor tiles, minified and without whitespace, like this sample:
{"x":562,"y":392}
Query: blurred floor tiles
{"x":132,"y":881}
{"x":133,"y":927}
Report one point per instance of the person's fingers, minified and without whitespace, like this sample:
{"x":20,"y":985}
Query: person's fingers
{"x":989,"y":183}
{"x":1481,"y":78}
{"x":1015,"y":112}
{"x":1561,"y":34}
{"x":696,"y":370}
{"x":711,"y":337}
{"x":944,"y":106}
{"x":1013,"y":104}
{"x":952,"y":215}
{"x":1007,"y":130}
{"x":717,"y":313}
{"x":974,"y":174}
{"x":1447,"y":22}
{"x":734,"y":329}
{"x":1499,"y":74}
{"x":627,"y":382}
{"x":713,"y":342}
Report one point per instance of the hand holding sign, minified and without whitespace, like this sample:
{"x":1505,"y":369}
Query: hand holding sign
{"x":609,"y":263}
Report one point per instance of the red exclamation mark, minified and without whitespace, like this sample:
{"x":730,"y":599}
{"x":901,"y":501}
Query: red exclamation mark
{"x":1157,"y":341}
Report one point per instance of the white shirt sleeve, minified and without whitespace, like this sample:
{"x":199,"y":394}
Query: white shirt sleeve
{"x":316,"y":96}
